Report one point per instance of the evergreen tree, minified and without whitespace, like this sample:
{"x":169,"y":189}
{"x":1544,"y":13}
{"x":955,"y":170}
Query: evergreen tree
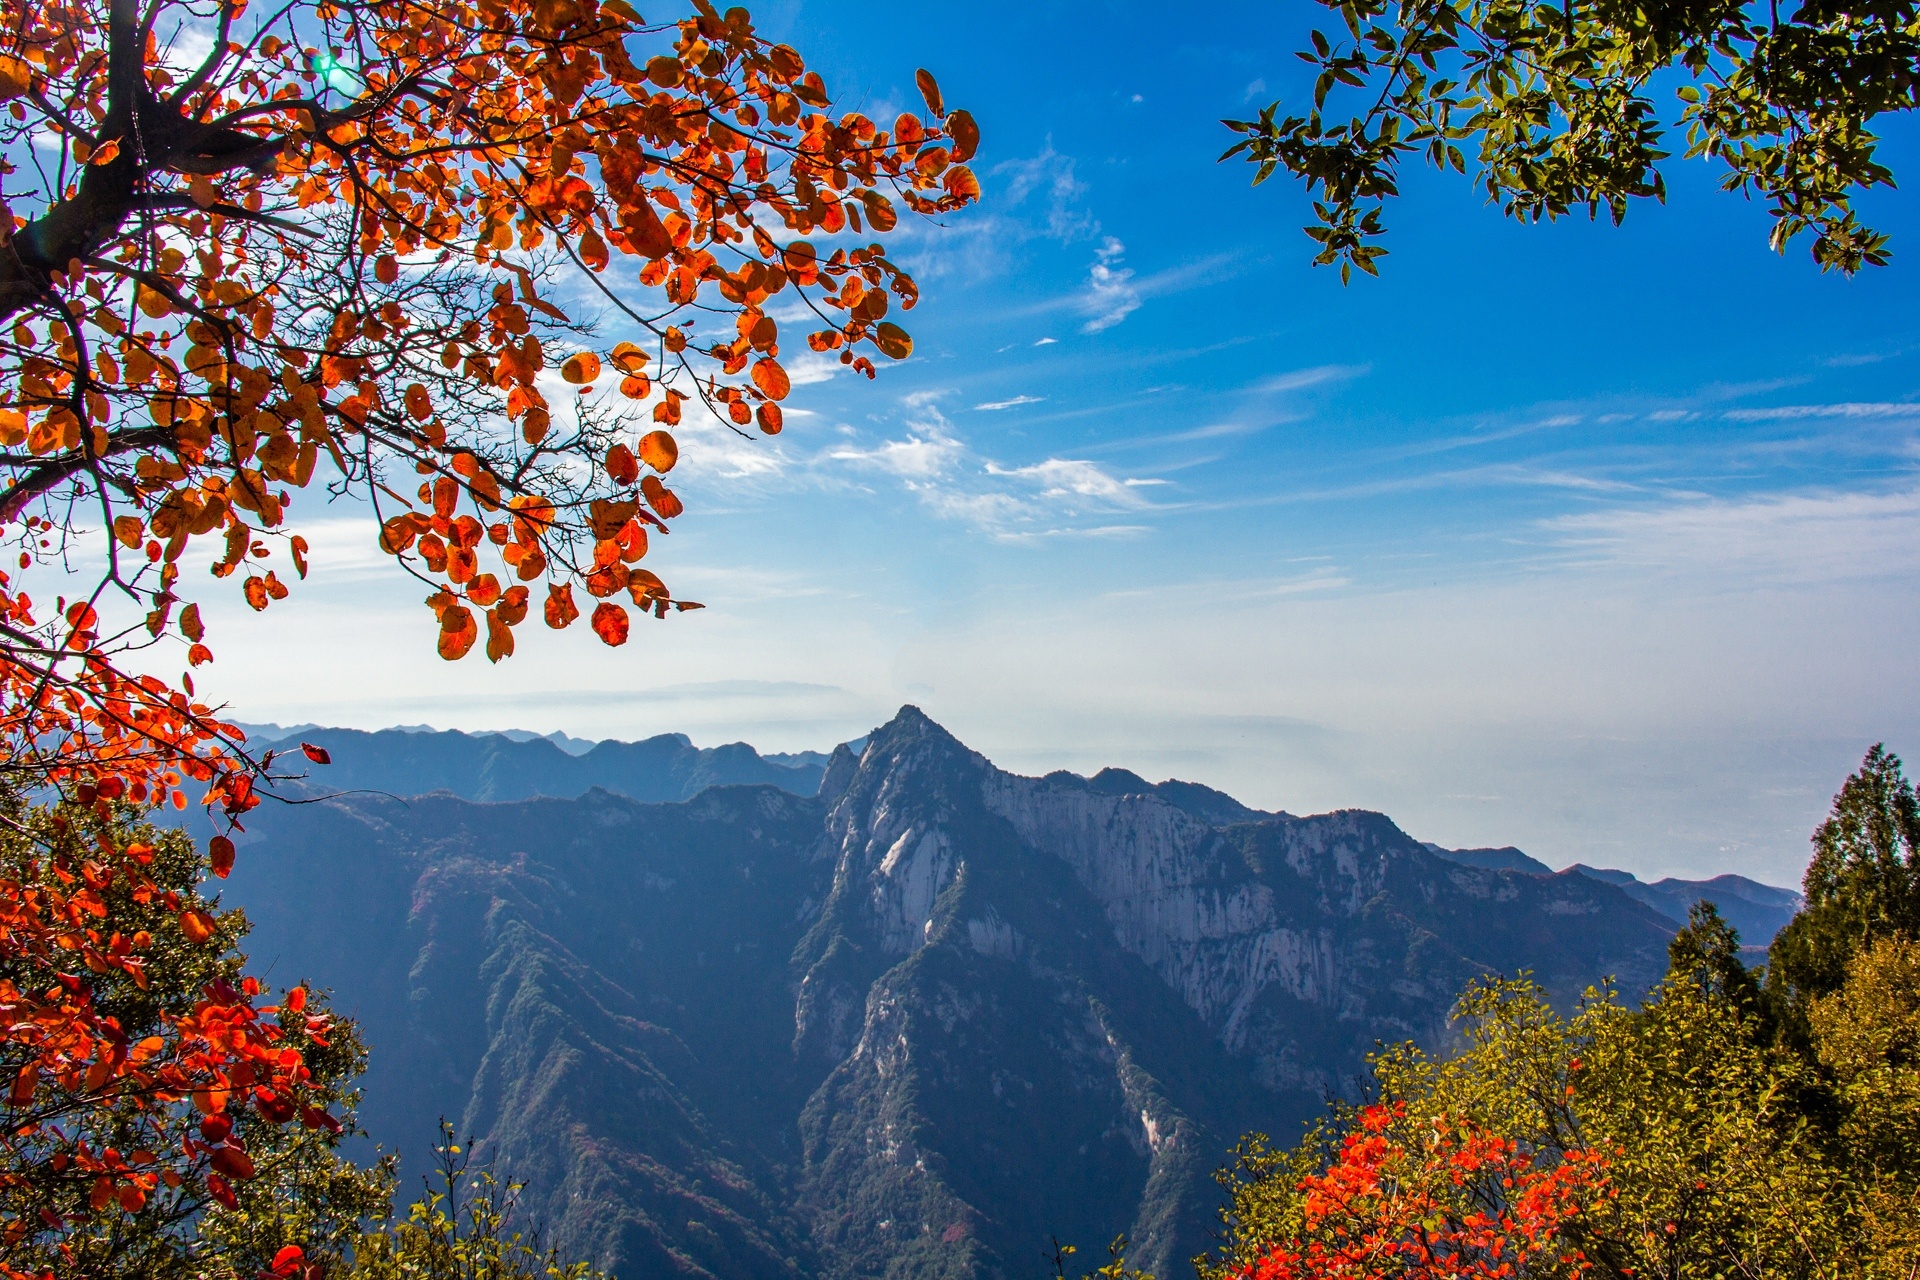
{"x":1863,"y":883}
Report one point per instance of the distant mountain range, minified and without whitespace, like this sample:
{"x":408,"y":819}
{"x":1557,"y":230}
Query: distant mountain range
{"x":516,"y":765}
{"x":903,"y":1015}
{"x":1757,"y":911}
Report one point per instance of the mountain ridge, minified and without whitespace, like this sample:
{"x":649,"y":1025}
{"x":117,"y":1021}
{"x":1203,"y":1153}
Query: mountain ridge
{"x":912,"y":1026}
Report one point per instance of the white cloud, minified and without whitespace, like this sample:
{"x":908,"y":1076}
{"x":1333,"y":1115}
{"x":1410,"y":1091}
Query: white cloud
{"x":1073,"y":477}
{"x":1790,"y":412}
{"x":933,"y":463}
{"x":993,"y":406}
{"x":1051,"y":175}
{"x":1300,"y":379}
{"x":1110,"y":296}
{"x":1046,"y":342}
{"x":923,"y":456}
{"x":1800,"y":539}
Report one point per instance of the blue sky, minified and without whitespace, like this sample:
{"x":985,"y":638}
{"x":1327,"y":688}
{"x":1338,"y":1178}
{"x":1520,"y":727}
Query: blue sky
{"x":1597,"y":541}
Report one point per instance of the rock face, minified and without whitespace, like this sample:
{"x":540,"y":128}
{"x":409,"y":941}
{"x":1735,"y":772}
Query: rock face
{"x":917,"y":1025}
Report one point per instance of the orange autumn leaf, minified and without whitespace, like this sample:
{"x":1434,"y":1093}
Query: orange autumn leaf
{"x":458,"y":631}
{"x":197,"y":925}
{"x":499,"y":637}
{"x":583,"y":367}
{"x":892,"y":340}
{"x":961,"y":184}
{"x":930,"y":90}
{"x":660,"y":498}
{"x":771,"y":379}
{"x":622,"y":467}
{"x":659,"y":451}
{"x":419,"y":403}
{"x":610,"y":623}
{"x":561,"y":610}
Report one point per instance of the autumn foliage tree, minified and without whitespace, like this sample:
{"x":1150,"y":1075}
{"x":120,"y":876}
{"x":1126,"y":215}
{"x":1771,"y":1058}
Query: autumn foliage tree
{"x":1431,"y":1198}
{"x":162,"y":1116}
{"x":469,"y":262}
{"x":242,"y":251}
{"x":1720,"y":1128}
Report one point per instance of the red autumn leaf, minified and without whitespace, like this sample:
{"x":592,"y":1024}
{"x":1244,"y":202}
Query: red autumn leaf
{"x":622,"y":467}
{"x":965,"y":134}
{"x":220,"y":856}
{"x":233,"y":1162}
{"x":610,"y":623}
{"x":771,"y":418}
{"x":221,"y":1192}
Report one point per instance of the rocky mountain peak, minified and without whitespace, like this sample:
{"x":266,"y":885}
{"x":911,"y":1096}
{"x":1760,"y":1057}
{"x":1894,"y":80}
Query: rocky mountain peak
{"x":910,"y":1028}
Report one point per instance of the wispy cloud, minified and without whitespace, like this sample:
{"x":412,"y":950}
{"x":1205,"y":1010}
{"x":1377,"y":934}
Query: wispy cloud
{"x":1792,"y":412}
{"x":1073,"y":477}
{"x":925,"y":455}
{"x":1300,"y":379}
{"x":1046,"y":342}
{"x":1049,"y":175}
{"x":1110,"y":296}
{"x":993,"y":406}
{"x":1805,"y":538}
{"x":1052,"y":497}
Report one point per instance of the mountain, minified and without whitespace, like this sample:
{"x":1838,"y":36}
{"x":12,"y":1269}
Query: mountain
{"x":911,"y":1027}
{"x":1757,"y":911}
{"x":1505,"y":858}
{"x":519,"y":766}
